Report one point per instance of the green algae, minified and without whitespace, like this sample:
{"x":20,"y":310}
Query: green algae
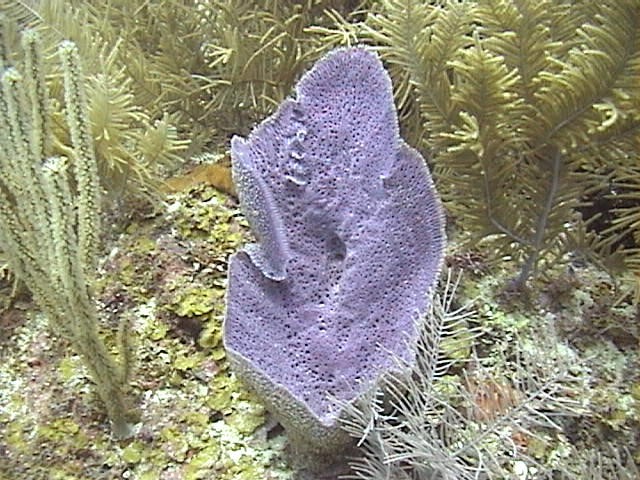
{"x":203,"y":462}
{"x":196,"y":301}
{"x":132,"y":453}
{"x":185,"y":362}
{"x":58,"y":429}
{"x":247,"y":416}
{"x":68,"y":368}
{"x":156,"y":329}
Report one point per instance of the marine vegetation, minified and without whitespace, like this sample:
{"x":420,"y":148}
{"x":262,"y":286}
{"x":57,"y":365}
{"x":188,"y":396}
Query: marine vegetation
{"x":527,"y":114}
{"x":210,"y":67}
{"x":50,"y":215}
{"x":350,"y":239}
{"x":167,"y":276}
{"x":486,"y":399}
{"x":134,"y":149}
{"x":527,"y":110}
{"x":530,"y":110}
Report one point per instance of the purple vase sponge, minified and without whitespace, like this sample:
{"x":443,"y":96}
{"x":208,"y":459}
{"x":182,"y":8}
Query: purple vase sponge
{"x":349,"y":243}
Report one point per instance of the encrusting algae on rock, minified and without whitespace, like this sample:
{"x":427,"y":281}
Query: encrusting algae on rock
{"x":196,"y":419}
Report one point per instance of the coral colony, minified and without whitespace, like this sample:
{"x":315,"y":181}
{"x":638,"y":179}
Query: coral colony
{"x":349,"y":242}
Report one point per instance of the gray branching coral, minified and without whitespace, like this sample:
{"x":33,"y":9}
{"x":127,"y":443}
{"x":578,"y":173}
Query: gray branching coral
{"x":49,"y":213}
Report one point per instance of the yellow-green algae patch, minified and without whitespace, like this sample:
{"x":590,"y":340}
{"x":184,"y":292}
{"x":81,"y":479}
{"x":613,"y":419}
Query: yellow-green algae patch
{"x":196,"y":420}
{"x":196,"y":301}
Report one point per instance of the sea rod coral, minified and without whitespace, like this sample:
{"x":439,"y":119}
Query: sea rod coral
{"x":49,"y":216}
{"x":350,"y":240}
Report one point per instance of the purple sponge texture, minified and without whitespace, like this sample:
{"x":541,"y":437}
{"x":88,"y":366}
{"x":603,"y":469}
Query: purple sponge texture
{"x":349,"y":243}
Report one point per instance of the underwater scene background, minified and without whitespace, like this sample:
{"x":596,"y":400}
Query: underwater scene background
{"x":119,"y":213}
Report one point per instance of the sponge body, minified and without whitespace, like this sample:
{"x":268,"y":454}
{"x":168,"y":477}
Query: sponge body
{"x":350,"y":239}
